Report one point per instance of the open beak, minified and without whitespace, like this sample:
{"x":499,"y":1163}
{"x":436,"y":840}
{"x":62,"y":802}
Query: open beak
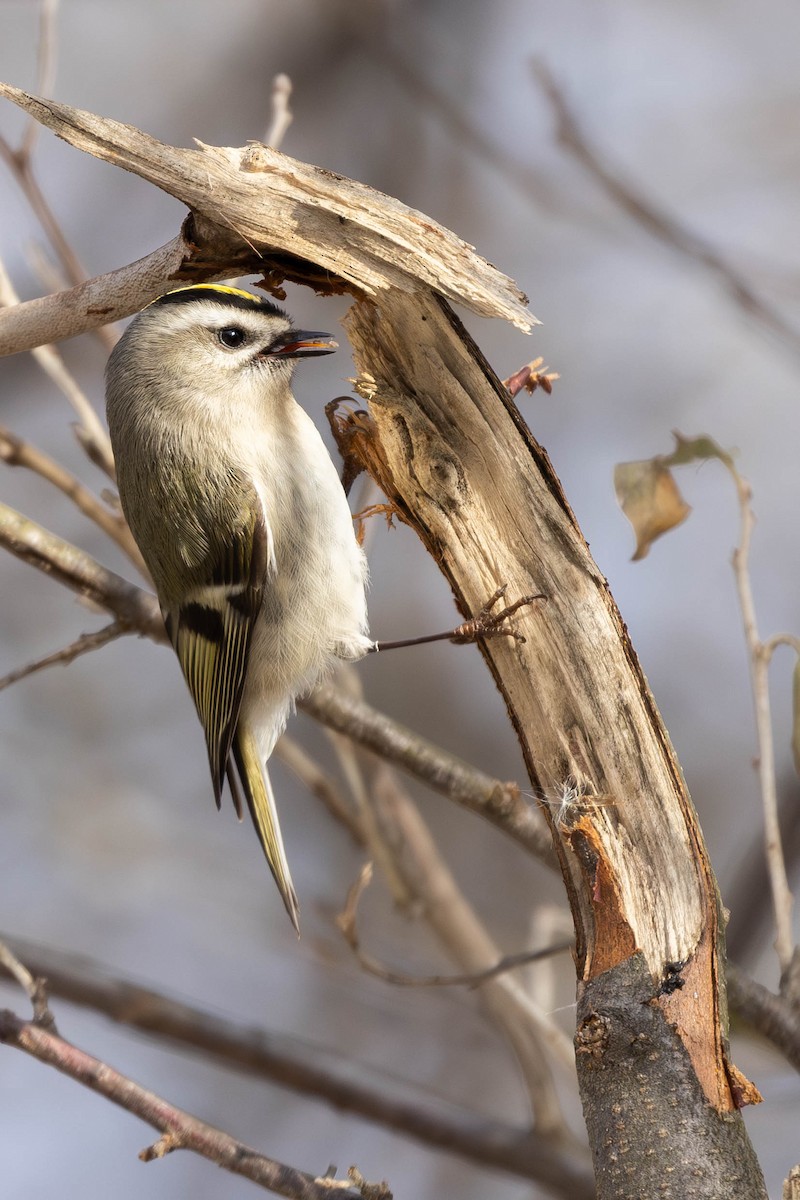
{"x":302,"y":343}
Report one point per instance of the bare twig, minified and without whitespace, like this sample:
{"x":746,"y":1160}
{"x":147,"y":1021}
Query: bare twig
{"x":347,"y":924}
{"x":92,"y":434}
{"x":758,"y":657}
{"x":19,"y":453}
{"x":179,"y":1129}
{"x":500,"y":803}
{"x":34,"y":988}
{"x":83,"y":645}
{"x":655,"y":220}
{"x":312,"y":1071}
{"x":20,"y":161}
{"x":47,"y":45}
{"x":282,"y":115}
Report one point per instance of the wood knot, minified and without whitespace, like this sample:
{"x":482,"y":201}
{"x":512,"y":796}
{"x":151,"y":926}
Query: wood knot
{"x":593,"y":1035}
{"x":446,"y":483}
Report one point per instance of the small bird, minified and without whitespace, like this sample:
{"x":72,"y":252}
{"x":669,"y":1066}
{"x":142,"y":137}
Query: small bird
{"x":241,"y":519}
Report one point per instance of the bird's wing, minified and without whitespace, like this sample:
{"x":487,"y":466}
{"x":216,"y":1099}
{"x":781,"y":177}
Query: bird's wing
{"x":211,"y":631}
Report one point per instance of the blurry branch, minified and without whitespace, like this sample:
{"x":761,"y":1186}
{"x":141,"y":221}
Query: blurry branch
{"x":19,"y":453}
{"x":83,"y":645}
{"x":750,"y":924}
{"x":759,"y":655}
{"x":179,"y":1130}
{"x":525,"y":175}
{"x":33,"y":987}
{"x":319,"y":783}
{"x":654,"y":219}
{"x":310,"y":1070}
{"x":47,"y":46}
{"x":500,"y":803}
{"x":775,"y":1017}
{"x":281,"y":112}
{"x":510,"y":962}
{"x":19,"y":162}
{"x":90,"y":431}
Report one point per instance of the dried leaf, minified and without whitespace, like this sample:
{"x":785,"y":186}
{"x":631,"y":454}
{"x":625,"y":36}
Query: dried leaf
{"x":648,"y":494}
{"x":697,"y":449}
{"x":649,"y":497}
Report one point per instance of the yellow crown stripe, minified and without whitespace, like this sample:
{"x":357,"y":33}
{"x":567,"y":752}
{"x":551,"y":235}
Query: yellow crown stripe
{"x":217,"y":287}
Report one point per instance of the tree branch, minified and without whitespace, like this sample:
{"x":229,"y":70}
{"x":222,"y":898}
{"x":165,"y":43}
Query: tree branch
{"x":179,"y":1129}
{"x":83,"y":645}
{"x":775,"y":1017}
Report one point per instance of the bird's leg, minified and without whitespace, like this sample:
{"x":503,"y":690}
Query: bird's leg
{"x":486,"y":624}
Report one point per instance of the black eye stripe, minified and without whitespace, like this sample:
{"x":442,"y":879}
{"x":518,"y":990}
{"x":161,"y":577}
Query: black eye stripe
{"x":232,"y":336}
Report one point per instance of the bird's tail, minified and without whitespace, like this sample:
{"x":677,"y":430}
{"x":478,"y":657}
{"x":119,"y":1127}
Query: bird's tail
{"x":261,"y":802}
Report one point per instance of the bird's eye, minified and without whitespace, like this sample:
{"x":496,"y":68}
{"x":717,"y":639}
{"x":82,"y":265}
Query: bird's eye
{"x":232,"y":337}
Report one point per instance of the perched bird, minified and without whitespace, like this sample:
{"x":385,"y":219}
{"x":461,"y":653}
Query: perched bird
{"x":239,"y":514}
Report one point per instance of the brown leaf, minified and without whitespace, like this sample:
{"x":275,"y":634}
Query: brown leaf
{"x":649,"y":497}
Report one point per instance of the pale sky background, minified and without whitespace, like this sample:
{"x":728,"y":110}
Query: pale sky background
{"x":109,"y":842}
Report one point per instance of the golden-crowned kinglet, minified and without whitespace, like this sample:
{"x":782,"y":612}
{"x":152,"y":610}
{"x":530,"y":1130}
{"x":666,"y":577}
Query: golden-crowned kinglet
{"x":239,"y":513}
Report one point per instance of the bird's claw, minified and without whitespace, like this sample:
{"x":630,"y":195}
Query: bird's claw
{"x":489,"y":624}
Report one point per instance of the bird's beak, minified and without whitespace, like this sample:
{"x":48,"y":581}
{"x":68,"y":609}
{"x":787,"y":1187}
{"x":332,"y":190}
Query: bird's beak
{"x":302,"y":343}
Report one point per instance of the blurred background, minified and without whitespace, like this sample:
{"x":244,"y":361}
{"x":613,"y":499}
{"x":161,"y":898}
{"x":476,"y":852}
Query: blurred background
{"x":109,"y":842}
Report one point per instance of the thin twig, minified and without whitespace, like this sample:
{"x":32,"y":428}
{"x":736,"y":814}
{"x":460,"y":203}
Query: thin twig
{"x":20,"y":161}
{"x":758,"y":658}
{"x":18,"y":453}
{"x":82,"y":645}
{"x":282,"y":115}
{"x":179,"y":1129}
{"x":34,"y":988}
{"x":655,"y":220}
{"x":780,"y":639}
{"x":47,"y":46}
{"x":313,"y":1071}
{"x":510,"y":962}
{"x":92,"y":434}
